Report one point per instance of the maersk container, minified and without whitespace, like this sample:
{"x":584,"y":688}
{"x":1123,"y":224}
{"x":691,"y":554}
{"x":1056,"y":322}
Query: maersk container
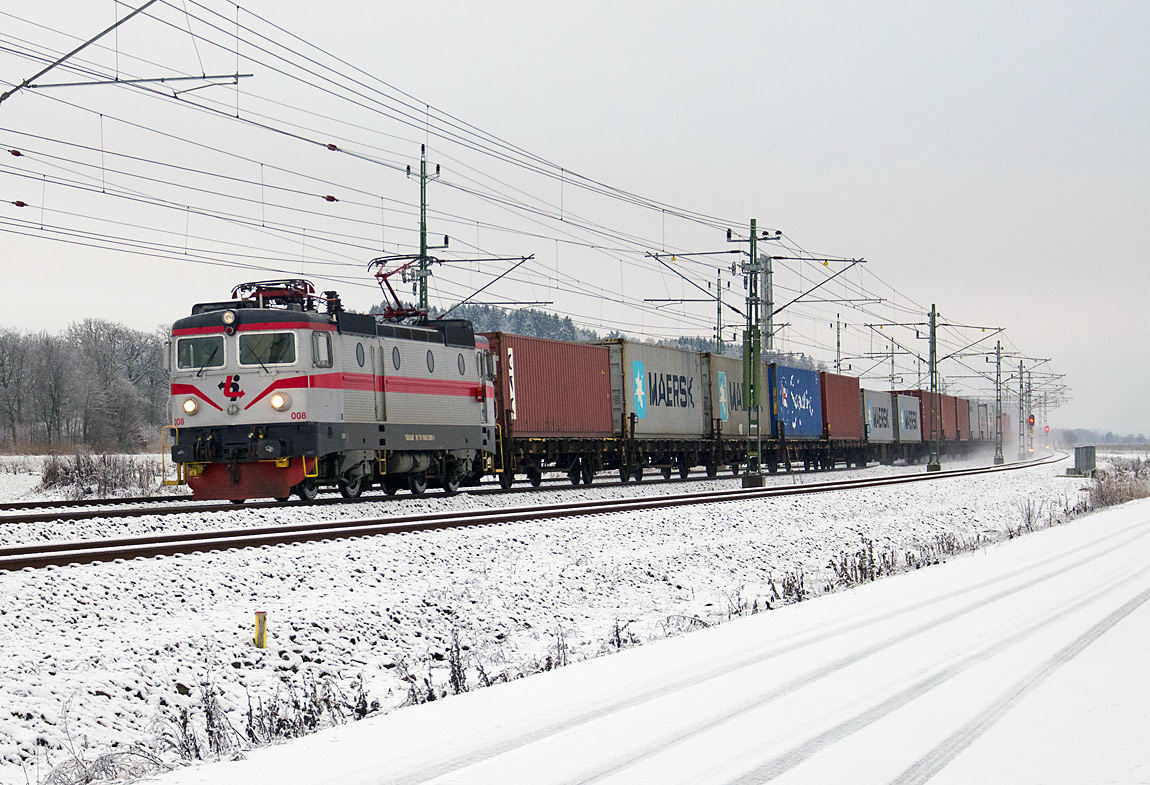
{"x":878,"y":416}
{"x":962,"y":412}
{"x":547,"y":388}
{"x":842,"y":413}
{"x":796,"y":402}
{"x":909,"y":418}
{"x":945,"y":409}
{"x":728,"y":397}
{"x":663,"y":387}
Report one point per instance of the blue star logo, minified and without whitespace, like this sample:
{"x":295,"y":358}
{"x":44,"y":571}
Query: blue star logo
{"x":640,"y":389}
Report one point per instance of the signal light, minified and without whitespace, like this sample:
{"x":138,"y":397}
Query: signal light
{"x":1030,"y":421}
{"x":1048,"y":429}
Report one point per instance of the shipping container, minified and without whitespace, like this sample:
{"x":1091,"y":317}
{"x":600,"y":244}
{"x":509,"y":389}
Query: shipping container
{"x":842,"y":412}
{"x":727,"y":395}
{"x":949,"y":417}
{"x":984,"y":422}
{"x":926,"y":413}
{"x":909,"y":418}
{"x":962,"y":424}
{"x":550,"y":388}
{"x":878,"y":416}
{"x":663,"y":387}
{"x":796,"y":403}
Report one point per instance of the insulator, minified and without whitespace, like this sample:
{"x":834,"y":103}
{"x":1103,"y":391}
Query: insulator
{"x":331,"y":198}
{"x":16,"y":153}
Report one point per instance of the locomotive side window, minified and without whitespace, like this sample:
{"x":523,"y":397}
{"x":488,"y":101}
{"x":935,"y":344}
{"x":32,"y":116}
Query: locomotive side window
{"x":359,"y":354}
{"x":321,"y":350}
{"x":267,"y":348}
{"x":430,"y":361}
{"x":395,"y":357}
{"x":204,"y":352}
{"x":462,"y":365}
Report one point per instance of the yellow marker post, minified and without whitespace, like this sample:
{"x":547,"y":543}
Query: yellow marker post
{"x":261,"y":629}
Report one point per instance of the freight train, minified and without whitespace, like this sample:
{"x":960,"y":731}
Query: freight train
{"x":279,"y":390}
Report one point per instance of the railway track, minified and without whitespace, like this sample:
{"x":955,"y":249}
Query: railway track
{"x":139,"y":506}
{"x":88,"y":551}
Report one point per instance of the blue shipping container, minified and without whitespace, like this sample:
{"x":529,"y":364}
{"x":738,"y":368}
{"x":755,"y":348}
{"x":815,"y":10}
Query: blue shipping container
{"x":796,"y":403}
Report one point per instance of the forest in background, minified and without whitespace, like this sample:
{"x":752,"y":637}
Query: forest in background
{"x":97,"y":384}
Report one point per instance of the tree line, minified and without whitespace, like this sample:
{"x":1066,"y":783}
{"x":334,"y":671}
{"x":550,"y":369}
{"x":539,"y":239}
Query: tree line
{"x":98,"y":383}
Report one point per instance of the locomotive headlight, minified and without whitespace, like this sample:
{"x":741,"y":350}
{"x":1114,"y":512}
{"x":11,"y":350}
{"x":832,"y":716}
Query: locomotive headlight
{"x":190,"y":406}
{"x":280,"y":401}
{"x":229,"y":317}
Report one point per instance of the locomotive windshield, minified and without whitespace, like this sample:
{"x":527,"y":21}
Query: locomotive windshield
{"x":267,"y":348}
{"x":198,"y":353}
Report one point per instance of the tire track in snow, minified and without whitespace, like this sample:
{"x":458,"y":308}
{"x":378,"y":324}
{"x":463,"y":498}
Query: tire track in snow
{"x":566,"y":724}
{"x":938,"y":758}
{"x":863,"y":719}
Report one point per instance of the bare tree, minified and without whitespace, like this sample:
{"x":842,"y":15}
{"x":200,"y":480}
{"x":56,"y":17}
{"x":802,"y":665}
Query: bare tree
{"x":13,"y":380}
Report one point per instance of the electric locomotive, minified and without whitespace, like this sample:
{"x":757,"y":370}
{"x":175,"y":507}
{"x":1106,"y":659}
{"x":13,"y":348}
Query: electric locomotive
{"x":272,"y":396}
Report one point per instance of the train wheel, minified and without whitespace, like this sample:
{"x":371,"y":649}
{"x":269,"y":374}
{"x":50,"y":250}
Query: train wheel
{"x":574,"y":472}
{"x":237,"y":501}
{"x":535,"y":477}
{"x":588,"y":473}
{"x":390,"y":487}
{"x":281,"y":499}
{"x":666,"y":470}
{"x":351,"y":489}
{"x":638,"y":475}
{"x":684,"y":469}
{"x":624,"y":473}
{"x":506,"y":480}
{"x":417,"y":484}
{"x":712,"y":470}
{"x":735,"y":468}
{"x":451,"y":484}
{"x":307,"y":490}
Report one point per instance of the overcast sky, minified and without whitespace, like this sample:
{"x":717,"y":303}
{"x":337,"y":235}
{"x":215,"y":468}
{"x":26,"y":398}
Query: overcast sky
{"x":988,"y":157}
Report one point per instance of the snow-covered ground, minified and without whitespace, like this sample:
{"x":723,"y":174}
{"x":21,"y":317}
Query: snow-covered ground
{"x":1022,"y":663}
{"x":100,"y":657}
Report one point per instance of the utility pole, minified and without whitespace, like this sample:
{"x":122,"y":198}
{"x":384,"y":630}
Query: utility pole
{"x":752,"y":373}
{"x":892,"y":366}
{"x":768,"y":299}
{"x":423,"y":269}
{"x":933,"y":463}
{"x":1021,"y":412}
{"x":718,"y":312}
{"x":998,"y":459}
{"x":838,"y":345}
{"x":753,"y":270}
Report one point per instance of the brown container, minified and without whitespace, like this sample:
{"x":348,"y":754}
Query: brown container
{"x":962,"y":412}
{"x":842,"y":407}
{"x":548,"y":389}
{"x":949,"y":418}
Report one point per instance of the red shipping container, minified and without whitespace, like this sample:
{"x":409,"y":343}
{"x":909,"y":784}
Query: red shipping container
{"x":842,"y":407}
{"x":963,"y":414}
{"x":547,"y":388}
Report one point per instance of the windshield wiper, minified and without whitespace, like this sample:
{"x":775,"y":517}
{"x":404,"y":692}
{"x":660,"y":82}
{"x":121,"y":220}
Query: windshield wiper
{"x":211,"y":357}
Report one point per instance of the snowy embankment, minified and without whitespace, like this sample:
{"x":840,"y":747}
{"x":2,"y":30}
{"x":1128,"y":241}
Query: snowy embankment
{"x":100,"y":657}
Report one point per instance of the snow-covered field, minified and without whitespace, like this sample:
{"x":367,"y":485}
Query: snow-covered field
{"x":100,"y":657}
{"x":1023,"y":663}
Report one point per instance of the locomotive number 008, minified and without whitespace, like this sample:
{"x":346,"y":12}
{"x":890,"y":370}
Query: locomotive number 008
{"x":299,"y":415}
